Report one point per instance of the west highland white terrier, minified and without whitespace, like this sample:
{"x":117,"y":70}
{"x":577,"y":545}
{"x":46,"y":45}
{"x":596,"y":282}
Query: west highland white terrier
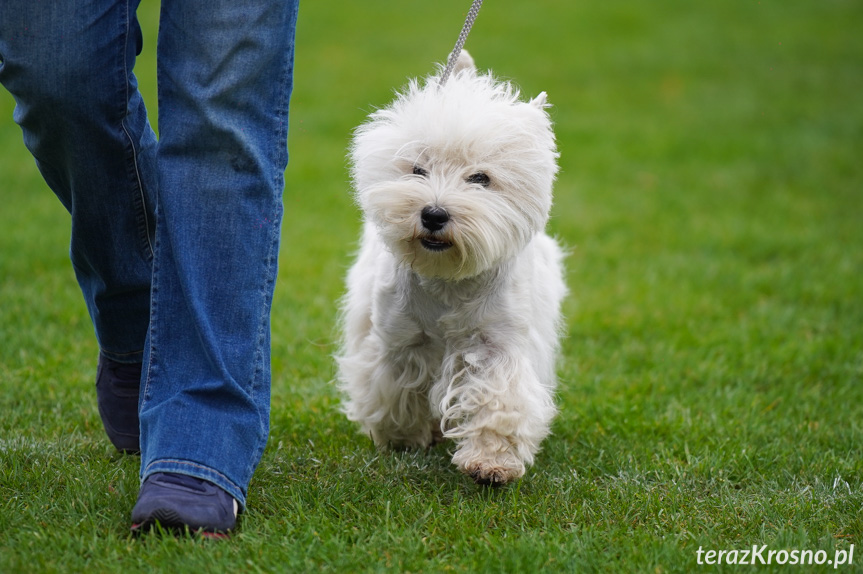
{"x":452,"y":316}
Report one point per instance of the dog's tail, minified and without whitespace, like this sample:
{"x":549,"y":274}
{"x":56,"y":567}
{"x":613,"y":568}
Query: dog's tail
{"x":464,"y":62}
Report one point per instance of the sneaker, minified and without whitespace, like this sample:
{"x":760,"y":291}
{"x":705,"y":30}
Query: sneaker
{"x":117,"y":388}
{"x":179,"y":502}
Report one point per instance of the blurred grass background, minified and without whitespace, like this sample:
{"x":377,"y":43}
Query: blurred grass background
{"x":711,"y":192}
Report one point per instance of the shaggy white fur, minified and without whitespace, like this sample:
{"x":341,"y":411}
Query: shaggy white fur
{"x":452,"y":317}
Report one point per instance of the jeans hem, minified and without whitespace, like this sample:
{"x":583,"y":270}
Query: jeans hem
{"x":125,"y":358}
{"x":198,"y":470}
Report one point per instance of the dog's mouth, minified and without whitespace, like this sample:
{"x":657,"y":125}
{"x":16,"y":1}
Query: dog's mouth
{"x":435,"y":244}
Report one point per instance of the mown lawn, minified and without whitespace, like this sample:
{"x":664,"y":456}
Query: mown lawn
{"x":711,"y":390}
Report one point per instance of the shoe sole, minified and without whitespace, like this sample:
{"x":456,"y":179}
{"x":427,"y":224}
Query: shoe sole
{"x":170,"y":521}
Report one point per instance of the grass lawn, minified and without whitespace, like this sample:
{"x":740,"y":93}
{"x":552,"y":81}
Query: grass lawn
{"x":711,"y":389}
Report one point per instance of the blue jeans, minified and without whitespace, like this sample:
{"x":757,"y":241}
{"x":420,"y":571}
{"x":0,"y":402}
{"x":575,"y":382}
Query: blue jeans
{"x":174,"y":241}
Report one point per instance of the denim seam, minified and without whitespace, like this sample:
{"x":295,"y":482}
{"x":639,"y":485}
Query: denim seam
{"x":268,"y":286}
{"x":151,"y":334}
{"x":287,"y":87}
{"x":143,"y":206}
{"x":271,"y":260}
{"x":266,"y":293}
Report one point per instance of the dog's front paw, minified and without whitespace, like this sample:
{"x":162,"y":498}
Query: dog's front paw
{"x":494,"y":473}
{"x":489,"y":459}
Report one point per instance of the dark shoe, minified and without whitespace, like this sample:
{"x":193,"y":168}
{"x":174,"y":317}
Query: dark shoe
{"x":117,"y":388}
{"x":180,"y":502}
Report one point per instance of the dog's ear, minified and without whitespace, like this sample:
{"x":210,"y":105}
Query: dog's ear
{"x":541,"y":101}
{"x":464,"y":62}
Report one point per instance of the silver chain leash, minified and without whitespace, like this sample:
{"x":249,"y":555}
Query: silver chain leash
{"x":453,"y":57}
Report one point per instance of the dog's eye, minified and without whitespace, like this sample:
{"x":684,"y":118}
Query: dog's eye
{"x":479,"y":178}
{"x":420,"y":171}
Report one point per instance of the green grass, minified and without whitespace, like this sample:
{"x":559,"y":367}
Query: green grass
{"x":712,"y":379}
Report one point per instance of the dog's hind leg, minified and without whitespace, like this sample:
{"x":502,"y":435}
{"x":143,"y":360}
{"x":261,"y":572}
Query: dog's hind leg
{"x":388,"y":397}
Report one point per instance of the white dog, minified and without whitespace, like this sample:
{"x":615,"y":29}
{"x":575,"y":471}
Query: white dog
{"x":452,"y":316}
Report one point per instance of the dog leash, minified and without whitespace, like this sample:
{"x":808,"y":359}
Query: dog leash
{"x":465,"y":30}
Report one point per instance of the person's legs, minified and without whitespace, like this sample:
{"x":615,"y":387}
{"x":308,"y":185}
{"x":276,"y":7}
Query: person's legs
{"x":225,"y":77}
{"x":69,"y":67}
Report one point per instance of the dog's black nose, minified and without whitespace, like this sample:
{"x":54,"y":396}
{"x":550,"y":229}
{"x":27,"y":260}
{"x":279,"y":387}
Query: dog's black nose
{"x":434,"y":218}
